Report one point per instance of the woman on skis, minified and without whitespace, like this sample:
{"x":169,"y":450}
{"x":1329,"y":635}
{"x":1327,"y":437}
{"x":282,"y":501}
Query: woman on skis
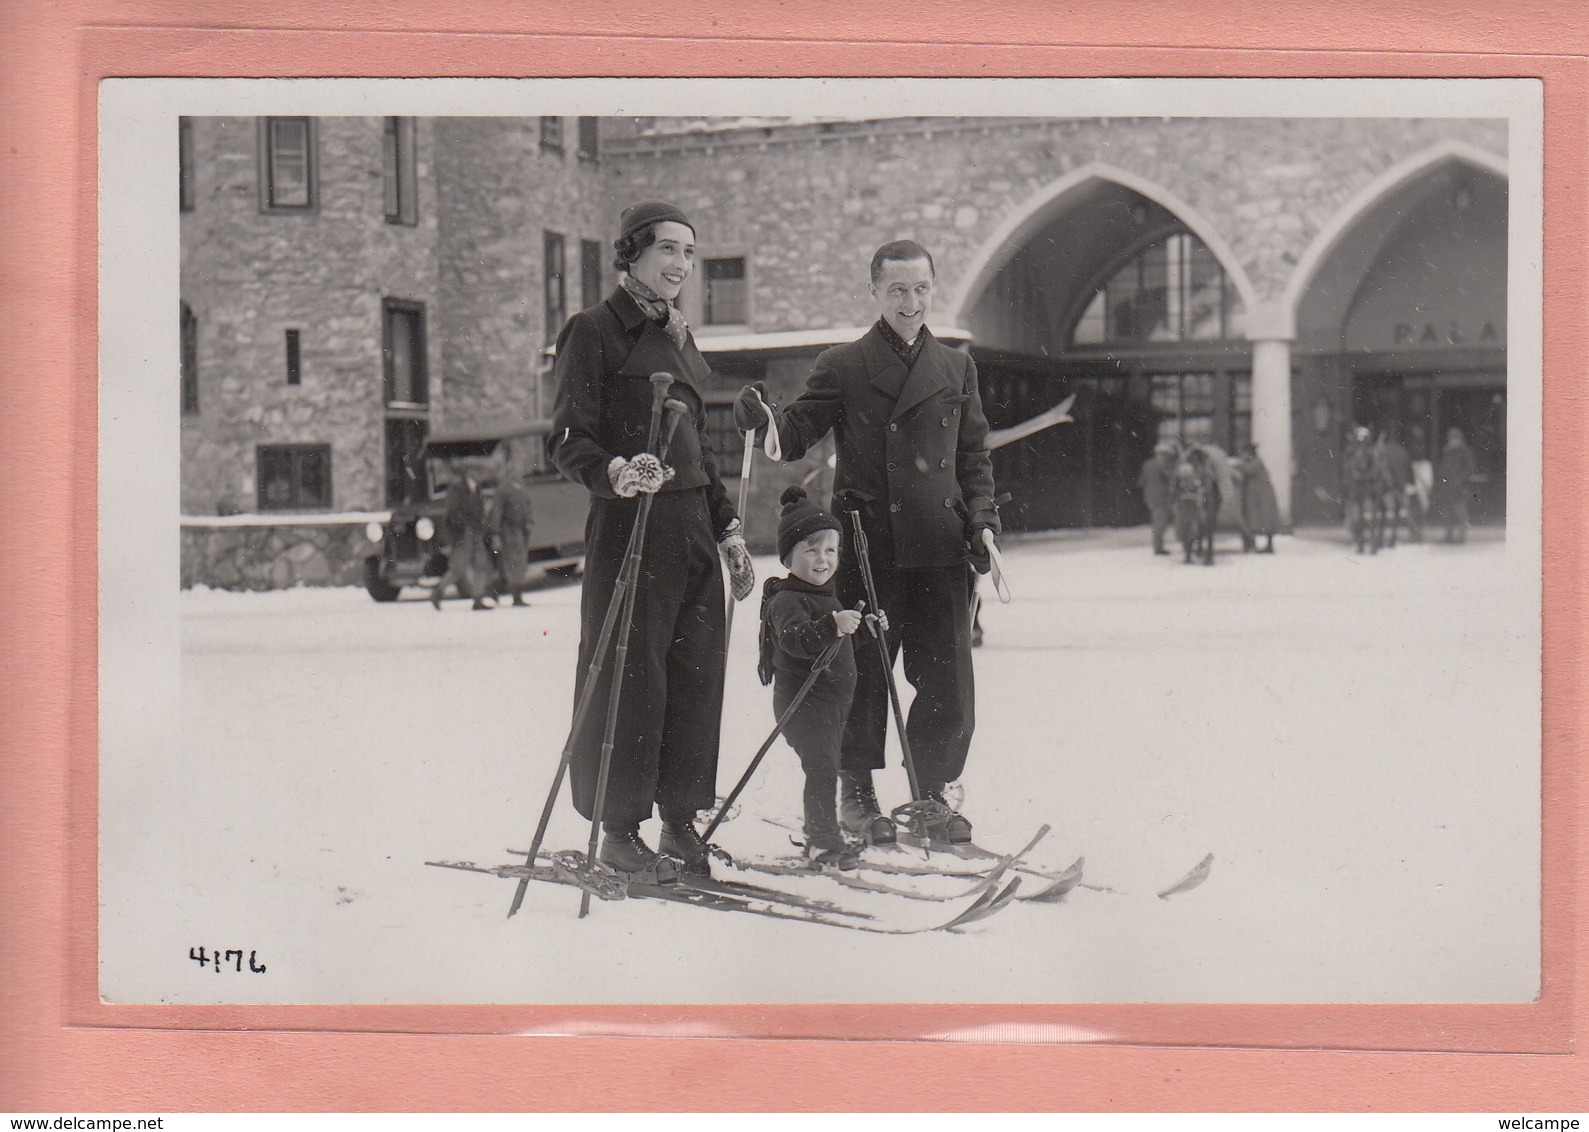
{"x":665,"y":743}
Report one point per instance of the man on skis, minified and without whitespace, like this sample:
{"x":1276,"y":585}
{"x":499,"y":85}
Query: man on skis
{"x":912,"y":458}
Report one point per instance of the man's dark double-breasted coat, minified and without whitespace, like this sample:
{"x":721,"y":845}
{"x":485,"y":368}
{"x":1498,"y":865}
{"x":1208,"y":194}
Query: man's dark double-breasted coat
{"x":665,"y":743}
{"x":912,"y":444}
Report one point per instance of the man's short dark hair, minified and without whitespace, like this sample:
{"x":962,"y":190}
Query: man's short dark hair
{"x":900,"y":251}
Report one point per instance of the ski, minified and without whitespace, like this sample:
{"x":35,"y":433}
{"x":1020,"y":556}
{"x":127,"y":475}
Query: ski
{"x":794,"y":867}
{"x":878,"y":858}
{"x":981,"y":883}
{"x":761,"y":892}
{"x":985,"y":905}
{"x":704,"y":884}
{"x":972,"y":852}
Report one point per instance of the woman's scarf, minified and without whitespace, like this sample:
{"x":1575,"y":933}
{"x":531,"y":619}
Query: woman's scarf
{"x":656,"y":308}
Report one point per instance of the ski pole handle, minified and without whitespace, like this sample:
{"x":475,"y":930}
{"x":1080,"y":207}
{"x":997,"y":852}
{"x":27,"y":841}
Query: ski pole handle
{"x":660,"y":383}
{"x":673,"y":411}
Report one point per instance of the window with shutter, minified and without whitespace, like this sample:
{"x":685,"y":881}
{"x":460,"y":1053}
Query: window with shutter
{"x":287,"y":165}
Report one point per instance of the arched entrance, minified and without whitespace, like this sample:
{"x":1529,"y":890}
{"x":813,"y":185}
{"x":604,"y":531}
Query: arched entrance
{"x":1107,"y":294}
{"x":1402,"y":328}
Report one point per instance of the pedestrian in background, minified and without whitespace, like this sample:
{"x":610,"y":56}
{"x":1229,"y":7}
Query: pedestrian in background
{"x":1155,"y":478}
{"x":510,"y":522}
{"x":1260,"y":511}
{"x":1453,"y":480}
{"x":468,"y":558}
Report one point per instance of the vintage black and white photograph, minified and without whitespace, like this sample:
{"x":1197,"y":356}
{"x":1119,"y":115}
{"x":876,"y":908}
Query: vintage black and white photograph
{"x":897,"y":541}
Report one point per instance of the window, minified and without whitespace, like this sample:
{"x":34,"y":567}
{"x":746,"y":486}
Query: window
{"x":403,"y":354}
{"x":1184,"y":403}
{"x":190,"y":361}
{"x":294,"y":476}
{"x":185,"y":163}
{"x":1204,"y":408}
{"x":726,"y":294}
{"x":287,"y":166}
{"x":590,"y":139}
{"x":294,"y":360}
{"x":556,"y":292}
{"x":1172,"y":291}
{"x":590,"y":258}
{"x":399,"y":171}
{"x":552,"y":134}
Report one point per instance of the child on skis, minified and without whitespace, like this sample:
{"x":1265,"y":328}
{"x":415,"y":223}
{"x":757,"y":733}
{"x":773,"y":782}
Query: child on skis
{"x":800,"y":619}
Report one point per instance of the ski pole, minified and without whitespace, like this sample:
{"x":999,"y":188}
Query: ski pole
{"x":673,"y":410}
{"x":824,"y":659}
{"x":864,"y":560}
{"x":660,"y":383}
{"x":996,"y":567}
{"x":744,"y":501}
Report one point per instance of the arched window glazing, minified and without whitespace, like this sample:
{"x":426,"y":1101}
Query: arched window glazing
{"x":1174,"y":290}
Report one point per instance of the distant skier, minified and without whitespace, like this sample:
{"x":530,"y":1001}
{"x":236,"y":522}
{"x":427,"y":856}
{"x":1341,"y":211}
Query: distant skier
{"x":800,"y":619}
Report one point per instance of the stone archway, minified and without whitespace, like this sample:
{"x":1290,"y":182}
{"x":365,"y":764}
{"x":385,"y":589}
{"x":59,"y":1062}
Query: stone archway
{"x":1128,"y":301}
{"x":1399,"y":307}
{"x":1062,"y":195}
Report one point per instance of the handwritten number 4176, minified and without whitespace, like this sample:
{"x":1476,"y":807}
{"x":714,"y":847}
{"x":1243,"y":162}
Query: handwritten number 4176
{"x":220,"y":959}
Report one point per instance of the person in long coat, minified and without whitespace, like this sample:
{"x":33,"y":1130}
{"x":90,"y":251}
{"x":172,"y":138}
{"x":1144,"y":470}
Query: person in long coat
{"x":468,"y":557}
{"x":1453,"y":479}
{"x":511,"y":520}
{"x":912,"y":458}
{"x":1154,"y":482}
{"x":665,"y":745}
{"x":1260,"y":510}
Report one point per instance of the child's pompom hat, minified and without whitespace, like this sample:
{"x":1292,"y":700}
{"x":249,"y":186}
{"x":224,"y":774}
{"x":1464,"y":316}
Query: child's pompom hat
{"x":799,"y":519}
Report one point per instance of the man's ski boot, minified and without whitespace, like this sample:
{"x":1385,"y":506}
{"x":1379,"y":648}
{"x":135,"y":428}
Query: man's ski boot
{"x":623,"y":849}
{"x":859,"y":813}
{"x":682,"y":840}
{"x":932,"y":819}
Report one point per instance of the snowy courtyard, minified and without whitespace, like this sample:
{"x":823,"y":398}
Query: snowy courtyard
{"x":1354,"y":738}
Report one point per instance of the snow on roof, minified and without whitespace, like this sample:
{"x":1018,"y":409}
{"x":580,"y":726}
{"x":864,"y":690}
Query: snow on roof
{"x":803,"y":339}
{"x":792,"y":340}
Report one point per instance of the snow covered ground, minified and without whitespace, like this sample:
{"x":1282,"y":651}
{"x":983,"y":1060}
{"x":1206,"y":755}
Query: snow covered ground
{"x":1354,"y":738}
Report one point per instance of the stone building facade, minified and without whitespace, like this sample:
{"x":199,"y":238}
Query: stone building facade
{"x":349,"y":286}
{"x":1363,"y":262}
{"x":1268,"y":281}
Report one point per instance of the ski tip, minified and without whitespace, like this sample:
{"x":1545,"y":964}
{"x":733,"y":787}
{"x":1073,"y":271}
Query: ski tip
{"x":989,"y":902}
{"x":1005,"y":895}
{"x":1191,"y":880}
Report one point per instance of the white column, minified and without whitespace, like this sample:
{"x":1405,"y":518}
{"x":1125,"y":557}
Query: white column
{"x":1271,"y":415}
{"x":1271,"y":398}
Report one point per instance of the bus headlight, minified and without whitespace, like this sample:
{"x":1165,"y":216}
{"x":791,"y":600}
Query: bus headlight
{"x":425,"y":529}
{"x":374,"y":532}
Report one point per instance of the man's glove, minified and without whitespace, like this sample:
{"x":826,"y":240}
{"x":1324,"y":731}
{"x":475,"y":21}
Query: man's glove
{"x":741,"y":574}
{"x":750,"y":410}
{"x":977,"y":550}
{"x":982,"y":519}
{"x":643,"y":473}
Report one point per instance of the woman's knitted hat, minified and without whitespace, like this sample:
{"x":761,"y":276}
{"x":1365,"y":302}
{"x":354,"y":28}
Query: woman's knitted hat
{"x":799,"y":519}
{"x":637,"y":216}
